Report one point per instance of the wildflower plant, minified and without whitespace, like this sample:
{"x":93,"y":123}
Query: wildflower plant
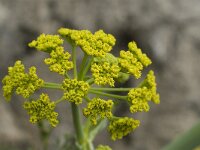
{"x":85,"y":88}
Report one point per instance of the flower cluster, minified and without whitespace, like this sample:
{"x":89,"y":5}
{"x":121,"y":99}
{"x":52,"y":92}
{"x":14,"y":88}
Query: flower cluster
{"x":75,"y":90}
{"x":59,"y":61}
{"x":122,"y":126}
{"x":133,"y":61}
{"x":97,"y":44}
{"x":150,"y":83}
{"x":98,"y":67}
{"x":41,"y":109}
{"x":105,"y":70}
{"x":98,"y":108}
{"x":104,"y":73}
{"x":23,"y":83}
{"x":46,"y":43}
{"x":139,"y":97}
{"x":103,"y":147}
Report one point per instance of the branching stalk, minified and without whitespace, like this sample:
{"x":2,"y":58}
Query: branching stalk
{"x":108,"y":95}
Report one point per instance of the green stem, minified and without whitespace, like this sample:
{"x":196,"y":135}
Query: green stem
{"x":87,"y":98}
{"x":67,"y":75}
{"x":90,"y":81}
{"x":112,"y":89}
{"x":87,"y":67}
{"x":44,"y":134}
{"x":77,"y":124}
{"x":83,"y":64}
{"x":96,"y":129}
{"x":108,"y":95}
{"x":52,"y":85}
{"x":74,"y":60}
{"x":59,"y":100}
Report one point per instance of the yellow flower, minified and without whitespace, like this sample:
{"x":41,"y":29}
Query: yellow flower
{"x":105,"y":70}
{"x":98,"y":108}
{"x":41,"y":109}
{"x":46,"y":43}
{"x":97,"y":44}
{"x":74,"y":90}
{"x":122,"y":126}
{"x":133,"y":61}
{"x":59,"y":61}
{"x":104,"y":73}
{"x":139,"y":97}
{"x":17,"y":80}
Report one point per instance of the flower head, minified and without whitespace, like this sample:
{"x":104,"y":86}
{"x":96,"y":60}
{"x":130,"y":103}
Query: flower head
{"x":122,"y":126}
{"x":150,"y":83}
{"x":46,"y":43}
{"x":98,"y":108}
{"x":75,"y":90}
{"x":139,"y":97}
{"x":59,"y":61}
{"x":42,"y":108}
{"x":105,"y":70}
{"x":23,"y":83}
{"x":133,"y":61}
{"x":104,"y":73}
{"x":97,"y":44}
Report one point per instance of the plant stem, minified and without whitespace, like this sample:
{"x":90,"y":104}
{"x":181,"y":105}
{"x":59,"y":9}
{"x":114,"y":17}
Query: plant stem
{"x":59,"y":100}
{"x":112,"y":89}
{"x":83,"y":64}
{"x":67,"y":75}
{"x":74,"y":60}
{"x":90,"y":81}
{"x":87,"y":67}
{"x":52,"y":85}
{"x":107,"y":94}
{"x":44,"y":134}
{"x":77,"y":124}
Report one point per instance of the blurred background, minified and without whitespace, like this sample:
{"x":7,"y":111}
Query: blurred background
{"x":167,"y":30}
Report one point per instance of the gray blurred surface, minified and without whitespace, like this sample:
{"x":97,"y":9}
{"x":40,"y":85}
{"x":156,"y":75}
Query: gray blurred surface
{"x":167,"y":30}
